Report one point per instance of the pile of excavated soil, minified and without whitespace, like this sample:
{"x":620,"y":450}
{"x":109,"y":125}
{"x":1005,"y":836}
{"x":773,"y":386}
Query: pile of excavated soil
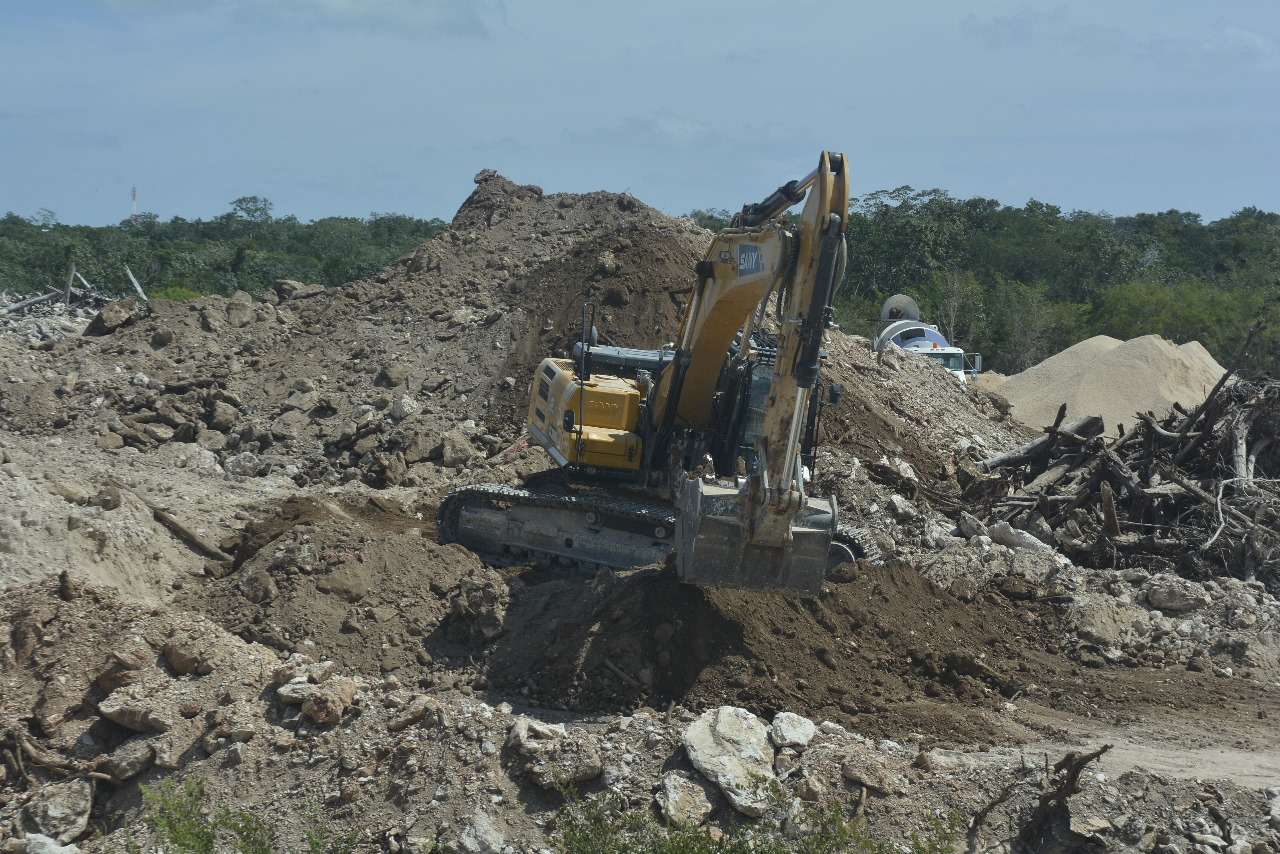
{"x":362,"y":382}
{"x":362,"y":586}
{"x":880,"y":649}
{"x":1114,"y":379}
{"x":139,"y":694}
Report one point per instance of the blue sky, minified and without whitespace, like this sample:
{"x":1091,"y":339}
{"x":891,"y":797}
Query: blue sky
{"x":349,"y":107}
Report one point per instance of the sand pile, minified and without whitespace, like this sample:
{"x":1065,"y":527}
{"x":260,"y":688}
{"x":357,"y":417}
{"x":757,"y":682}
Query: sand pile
{"x":1114,"y":379}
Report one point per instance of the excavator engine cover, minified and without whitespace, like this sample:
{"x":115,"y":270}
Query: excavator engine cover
{"x":714,"y":551}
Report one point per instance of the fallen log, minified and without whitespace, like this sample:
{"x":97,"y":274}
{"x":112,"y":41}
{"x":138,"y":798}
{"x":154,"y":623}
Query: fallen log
{"x":137,"y":287}
{"x":12,"y":307}
{"x":171,"y":522}
{"x":1086,"y":427}
{"x":1051,"y":476}
{"x":1049,"y":827}
{"x":1150,"y":421}
{"x":1191,"y":419}
{"x":1170,"y":473}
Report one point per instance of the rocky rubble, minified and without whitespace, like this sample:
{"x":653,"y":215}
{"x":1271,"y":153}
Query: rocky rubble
{"x":166,"y":691}
{"x":256,"y":477}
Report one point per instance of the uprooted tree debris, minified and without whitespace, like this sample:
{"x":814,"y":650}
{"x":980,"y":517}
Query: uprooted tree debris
{"x":1196,"y":491}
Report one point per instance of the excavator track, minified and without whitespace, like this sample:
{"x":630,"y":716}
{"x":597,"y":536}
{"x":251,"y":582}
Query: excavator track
{"x":584,"y":530}
{"x":860,"y":543}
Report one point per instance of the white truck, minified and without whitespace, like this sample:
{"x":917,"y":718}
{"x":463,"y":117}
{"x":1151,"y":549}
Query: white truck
{"x":900,"y":324}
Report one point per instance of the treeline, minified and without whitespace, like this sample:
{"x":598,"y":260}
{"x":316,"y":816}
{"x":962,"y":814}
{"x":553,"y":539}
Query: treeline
{"x":1018,"y":284}
{"x":244,"y":249}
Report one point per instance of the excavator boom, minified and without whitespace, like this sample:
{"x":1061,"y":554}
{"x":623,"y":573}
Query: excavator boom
{"x":763,"y":531}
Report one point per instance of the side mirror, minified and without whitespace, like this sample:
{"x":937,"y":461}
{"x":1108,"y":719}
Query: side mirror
{"x":835,"y":391}
{"x":568,"y":421}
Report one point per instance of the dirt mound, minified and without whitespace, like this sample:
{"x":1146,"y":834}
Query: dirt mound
{"x":363,"y":584}
{"x":877,"y":639}
{"x":361,"y":382}
{"x":1114,"y":379}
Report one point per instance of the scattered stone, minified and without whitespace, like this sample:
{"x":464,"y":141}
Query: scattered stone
{"x":456,"y":449}
{"x":901,"y":508}
{"x":872,"y":771}
{"x":61,"y":810}
{"x":792,"y":730}
{"x":1174,"y":595}
{"x":329,"y":701}
{"x":109,"y":442}
{"x":258,"y":586}
{"x":684,"y":801}
{"x":245,"y":464}
{"x":223,"y":416}
{"x":130,"y":759}
{"x":131,"y":713}
{"x":415,"y":711}
{"x":478,"y":608}
{"x":403,"y":406}
{"x":295,"y":692}
{"x":481,"y":836}
{"x":38,"y":843}
{"x":113,"y":316}
{"x":971,"y":526}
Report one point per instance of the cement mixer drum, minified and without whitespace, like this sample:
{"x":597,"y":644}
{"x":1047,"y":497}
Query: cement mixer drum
{"x":899,"y":307}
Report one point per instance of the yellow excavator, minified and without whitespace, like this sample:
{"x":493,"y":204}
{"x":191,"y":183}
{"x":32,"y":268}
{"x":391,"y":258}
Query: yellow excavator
{"x":703,"y":448}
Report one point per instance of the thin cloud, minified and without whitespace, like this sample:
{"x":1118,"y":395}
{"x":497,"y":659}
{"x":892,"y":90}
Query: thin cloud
{"x":1222,"y":45}
{"x":455,"y":18}
{"x":85,"y":139}
{"x":663,"y":129}
{"x":1025,"y":26}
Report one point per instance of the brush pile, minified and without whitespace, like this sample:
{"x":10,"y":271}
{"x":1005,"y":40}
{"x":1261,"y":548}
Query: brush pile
{"x":1197,"y":492}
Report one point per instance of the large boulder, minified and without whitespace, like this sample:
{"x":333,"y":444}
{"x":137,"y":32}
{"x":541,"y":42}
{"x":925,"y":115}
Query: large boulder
{"x":61,"y":810}
{"x":289,"y":289}
{"x":730,"y":746}
{"x":240,"y":310}
{"x":1174,"y":595}
{"x":113,"y":315}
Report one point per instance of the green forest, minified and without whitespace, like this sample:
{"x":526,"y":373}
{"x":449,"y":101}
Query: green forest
{"x":244,"y":249}
{"x":1016,"y":284}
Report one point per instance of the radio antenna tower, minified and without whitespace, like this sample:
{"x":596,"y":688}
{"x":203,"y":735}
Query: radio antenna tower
{"x":134,"y":194}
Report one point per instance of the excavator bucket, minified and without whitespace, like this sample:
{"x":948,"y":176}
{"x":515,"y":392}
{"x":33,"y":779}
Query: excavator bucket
{"x":713,"y":549}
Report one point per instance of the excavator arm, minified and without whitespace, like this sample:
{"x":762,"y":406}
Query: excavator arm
{"x":761,"y":531}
